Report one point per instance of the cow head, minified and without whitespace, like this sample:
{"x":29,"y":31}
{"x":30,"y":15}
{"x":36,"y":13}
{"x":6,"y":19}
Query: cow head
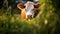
{"x":29,"y":9}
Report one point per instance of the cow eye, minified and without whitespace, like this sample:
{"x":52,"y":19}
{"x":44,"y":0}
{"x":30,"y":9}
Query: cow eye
{"x":24,"y":6}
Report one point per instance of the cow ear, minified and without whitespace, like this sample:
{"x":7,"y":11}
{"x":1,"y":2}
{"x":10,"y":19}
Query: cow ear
{"x":20,"y":6}
{"x":37,"y":5}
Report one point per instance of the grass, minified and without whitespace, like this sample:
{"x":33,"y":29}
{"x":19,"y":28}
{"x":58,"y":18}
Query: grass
{"x":12,"y":24}
{"x":45,"y":23}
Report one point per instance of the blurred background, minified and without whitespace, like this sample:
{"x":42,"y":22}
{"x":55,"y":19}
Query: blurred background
{"x":47,"y":21}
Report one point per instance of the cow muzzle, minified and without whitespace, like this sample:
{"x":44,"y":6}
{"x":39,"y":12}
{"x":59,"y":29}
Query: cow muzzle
{"x":29,"y":17}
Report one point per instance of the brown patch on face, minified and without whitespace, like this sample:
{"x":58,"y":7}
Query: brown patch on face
{"x":36,"y":12}
{"x":23,"y":14}
{"x":23,"y":11}
{"x":36,"y":6}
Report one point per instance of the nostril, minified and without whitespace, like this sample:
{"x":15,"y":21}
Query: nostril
{"x":29,"y":16}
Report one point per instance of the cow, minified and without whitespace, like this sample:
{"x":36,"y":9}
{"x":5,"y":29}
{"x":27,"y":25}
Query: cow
{"x":29,"y":10}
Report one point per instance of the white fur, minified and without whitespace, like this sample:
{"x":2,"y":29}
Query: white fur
{"x":29,"y":8}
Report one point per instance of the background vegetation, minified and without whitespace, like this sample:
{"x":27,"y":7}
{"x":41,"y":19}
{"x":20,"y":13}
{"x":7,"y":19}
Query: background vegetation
{"x":47,"y":22}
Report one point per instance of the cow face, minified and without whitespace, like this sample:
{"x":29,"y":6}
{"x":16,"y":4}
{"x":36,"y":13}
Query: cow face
{"x":29,"y":9}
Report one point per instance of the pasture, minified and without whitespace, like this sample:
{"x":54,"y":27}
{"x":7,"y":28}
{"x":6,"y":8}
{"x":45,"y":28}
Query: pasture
{"x":47,"y":21}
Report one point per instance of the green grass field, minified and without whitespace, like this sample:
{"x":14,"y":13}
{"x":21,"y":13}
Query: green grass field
{"x":45,"y":23}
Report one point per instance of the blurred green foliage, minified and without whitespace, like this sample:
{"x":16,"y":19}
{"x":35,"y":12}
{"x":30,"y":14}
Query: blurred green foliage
{"x":47,"y":22}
